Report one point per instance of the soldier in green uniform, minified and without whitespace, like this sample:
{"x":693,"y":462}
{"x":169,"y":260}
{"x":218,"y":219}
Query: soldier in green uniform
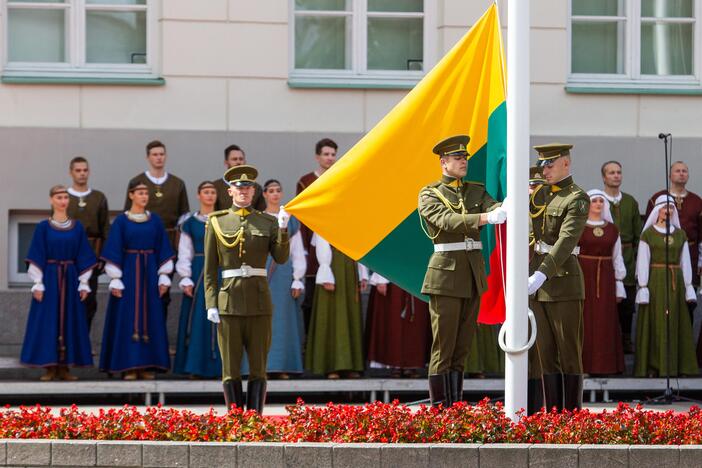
{"x":556,"y":289}
{"x":237,"y":244}
{"x":454,"y":212}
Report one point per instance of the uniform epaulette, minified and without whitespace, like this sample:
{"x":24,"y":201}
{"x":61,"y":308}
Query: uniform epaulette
{"x":219,"y":213}
{"x":432,"y":185}
{"x":476,"y":182}
{"x":266,"y":215}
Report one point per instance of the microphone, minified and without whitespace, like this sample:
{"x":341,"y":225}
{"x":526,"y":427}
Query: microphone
{"x":663,"y":136}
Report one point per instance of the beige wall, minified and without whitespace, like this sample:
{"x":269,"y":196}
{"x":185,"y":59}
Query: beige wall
{"x":226,"y":65}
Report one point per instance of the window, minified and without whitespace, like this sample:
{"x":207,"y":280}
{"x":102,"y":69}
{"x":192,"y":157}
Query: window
{"x":21,"y":232}
{"x":648,"y":43}
{"x":79,"y":38}
{"x":340,"y":43}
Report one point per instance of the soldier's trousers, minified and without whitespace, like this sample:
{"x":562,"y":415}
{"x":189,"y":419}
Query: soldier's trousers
{"x":453,"y":326}
{"x":236,"y":333}
{"x":559,"y":338}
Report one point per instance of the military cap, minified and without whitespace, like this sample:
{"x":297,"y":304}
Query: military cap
{"x":241,"y":176}
{"x":535,"y":177}
{"x":453,"y":146}
{"x":550,"y":152}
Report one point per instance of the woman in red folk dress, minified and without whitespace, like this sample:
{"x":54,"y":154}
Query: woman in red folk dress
{"x":603,"y":271}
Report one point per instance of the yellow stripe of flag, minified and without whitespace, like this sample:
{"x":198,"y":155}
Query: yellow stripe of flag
{"x":374,"y":187}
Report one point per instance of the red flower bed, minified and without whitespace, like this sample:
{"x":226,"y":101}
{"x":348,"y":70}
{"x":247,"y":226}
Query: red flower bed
{"x":376,"y":422}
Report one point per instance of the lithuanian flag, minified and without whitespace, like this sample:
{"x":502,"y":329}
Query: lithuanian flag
{"x":366,"y":204}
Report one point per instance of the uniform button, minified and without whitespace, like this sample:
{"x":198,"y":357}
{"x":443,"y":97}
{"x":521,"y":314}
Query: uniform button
{"x":243,"y":251}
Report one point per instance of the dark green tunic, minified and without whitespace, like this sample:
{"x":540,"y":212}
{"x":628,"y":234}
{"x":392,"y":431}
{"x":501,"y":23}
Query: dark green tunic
{"x":335,"y":337}
{"x":168,"y":200}
{"x":627,"y":218}
{"x":92,"y":212}
{"x":650,"y":325}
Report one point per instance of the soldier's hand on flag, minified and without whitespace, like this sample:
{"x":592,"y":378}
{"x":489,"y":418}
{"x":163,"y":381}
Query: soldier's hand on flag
{"x":283,"y":218}
{"x":497,"y":216}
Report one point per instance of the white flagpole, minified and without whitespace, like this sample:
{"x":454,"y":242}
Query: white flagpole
{"x":516,"y":324}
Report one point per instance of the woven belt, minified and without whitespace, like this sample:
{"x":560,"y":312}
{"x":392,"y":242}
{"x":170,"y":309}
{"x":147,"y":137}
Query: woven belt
{"x":244,"y":272}
{"x":468,"y":245}
{"x":543,"y":248}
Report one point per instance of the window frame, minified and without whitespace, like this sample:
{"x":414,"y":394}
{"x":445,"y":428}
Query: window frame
{"x":76,"y":65}
{"x":358,"y":76}
{"x":632,"y":78}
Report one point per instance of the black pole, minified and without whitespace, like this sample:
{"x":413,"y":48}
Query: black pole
{"x":668,"y":395}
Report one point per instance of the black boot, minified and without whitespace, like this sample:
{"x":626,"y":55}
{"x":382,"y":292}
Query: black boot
{"x":573,"y":391}
{"x":233,"y":394}
{"x":256,"y":395}
{"x":535,"y":396}
{"x":439,"y":390}
{"x":456,"y":385}
{"x":553,"y":391}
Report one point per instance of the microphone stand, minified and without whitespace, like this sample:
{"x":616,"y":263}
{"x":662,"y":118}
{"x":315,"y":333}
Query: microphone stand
{"x":668,"y":398}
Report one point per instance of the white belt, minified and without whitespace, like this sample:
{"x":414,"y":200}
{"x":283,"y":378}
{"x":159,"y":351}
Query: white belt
{"x":244,"y":272}
{"x":468,"y":244}
{"x":543,"y":248}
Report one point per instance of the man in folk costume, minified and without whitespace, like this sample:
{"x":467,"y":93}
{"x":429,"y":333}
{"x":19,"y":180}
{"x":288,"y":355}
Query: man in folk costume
{"x":625,"y":213}
{"x":454,"y":212}
{"x":237,"y":244}
{"x":689,"y":208}
{"x":88,"y":206}
{"x":556,"y":286}
{"x":167,"y":198}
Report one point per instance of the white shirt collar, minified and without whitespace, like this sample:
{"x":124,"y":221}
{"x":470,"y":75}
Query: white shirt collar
{"x":76,"y":193}
{"x":614,"y":199}
{"x":662,"y":229}
{"x":157,"y":180}
{"x":592,"y":222}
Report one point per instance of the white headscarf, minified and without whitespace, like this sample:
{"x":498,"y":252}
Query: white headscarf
{"x":660,"y":203}
{"x":606,"y":214}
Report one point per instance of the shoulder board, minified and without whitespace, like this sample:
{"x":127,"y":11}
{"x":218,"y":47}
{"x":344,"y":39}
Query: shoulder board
{"x":482,"y":184}
{"x":270,"y":217}
{"x":432,"y":185}
{"x":218,"y":213}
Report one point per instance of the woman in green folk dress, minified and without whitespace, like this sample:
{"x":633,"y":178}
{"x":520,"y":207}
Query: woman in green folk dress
{"x":651,"y":271}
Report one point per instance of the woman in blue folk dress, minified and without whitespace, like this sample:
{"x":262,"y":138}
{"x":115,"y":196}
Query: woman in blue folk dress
{"x":287,"y":290}
{"x":138,"y":257}
{"x":197,"y":352}
{"x":60,"y":264}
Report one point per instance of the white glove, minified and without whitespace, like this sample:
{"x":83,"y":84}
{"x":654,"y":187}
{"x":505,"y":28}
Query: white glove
{"x":535,"y":282}
{"x":283,"y":218}
{"x":506,"y":203}
{"x":642,"y":296}
{"x":213,"y":315}
{"x":497,"y":216}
